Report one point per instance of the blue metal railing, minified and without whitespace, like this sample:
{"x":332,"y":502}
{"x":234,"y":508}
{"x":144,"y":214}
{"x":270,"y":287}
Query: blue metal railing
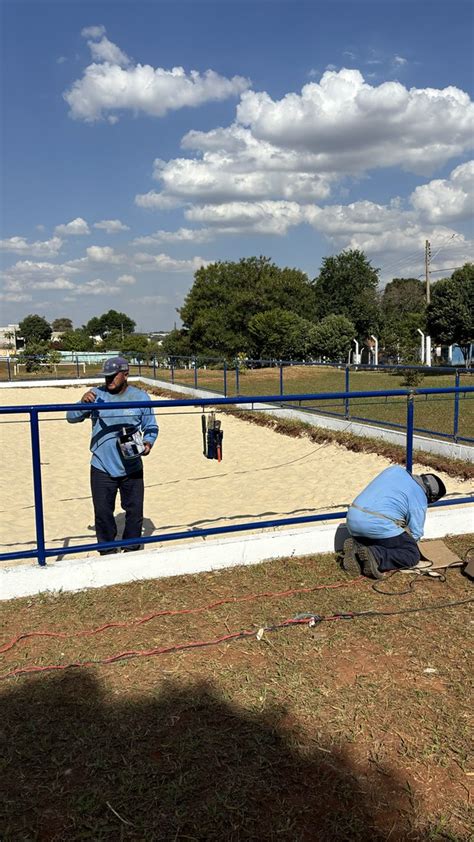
{"x":42,"y":552}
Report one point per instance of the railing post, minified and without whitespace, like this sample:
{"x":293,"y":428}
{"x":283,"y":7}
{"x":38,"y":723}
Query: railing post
{"x":347,"y":389}
{"x":195,"y":373}
{"x":38,"y":494}
{"x":9,"y":369}
{"x":281,"y":378}
{"x":225,"y":378}
{"x":172,"y":369}
{"x":78,"y":373}
{"x":456,"y":408}
{"x":237,"y":385}
{"x":410,"y":425}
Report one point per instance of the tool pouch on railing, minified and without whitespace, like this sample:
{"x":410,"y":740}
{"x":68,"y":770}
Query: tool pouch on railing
{"x":212,"y":437}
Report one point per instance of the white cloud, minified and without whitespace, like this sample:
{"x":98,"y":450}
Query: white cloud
{"x":165,"y":263}
{"x":27,"y":275}
{"x":265,"y":217}
{"x":104,"y":254}
{"x":400,"y":60}
{"x":391,"y":236}
{"x":111,"y":83}
{"x":297,"y":148}
{"x":19,"y":245}
{"x":76,"y":228}
{"x":182,"y":235}
{"x":126,"y":280}
{"x":105,"y":50}
{"x":449,"y":199}
{"x":14,"y":297}
{"x":94,"y":287}
{"x":354,"y":127}
{"x":112,"y":226}
{"x":57,"y":283}
{"x":61,"y":60}
{"x":93,"y":31}
{"x":156,"y":201}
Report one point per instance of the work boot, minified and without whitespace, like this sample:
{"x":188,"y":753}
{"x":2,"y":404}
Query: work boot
{"x":368,"y":561}
{"x":349,"y":560}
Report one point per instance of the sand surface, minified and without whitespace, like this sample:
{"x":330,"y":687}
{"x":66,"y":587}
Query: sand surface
{"x":263,"y":474}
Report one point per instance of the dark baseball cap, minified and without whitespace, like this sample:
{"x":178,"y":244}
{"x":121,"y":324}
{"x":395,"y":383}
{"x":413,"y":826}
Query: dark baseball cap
{"x":112,"y":366}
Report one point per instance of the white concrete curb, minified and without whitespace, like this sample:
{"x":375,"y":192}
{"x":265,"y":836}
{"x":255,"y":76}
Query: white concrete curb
{"x":197,"y":556}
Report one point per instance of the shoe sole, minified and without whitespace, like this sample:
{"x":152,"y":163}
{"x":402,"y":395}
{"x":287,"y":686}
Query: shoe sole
{"x":349,"y":561}
{"x":368,"y":563}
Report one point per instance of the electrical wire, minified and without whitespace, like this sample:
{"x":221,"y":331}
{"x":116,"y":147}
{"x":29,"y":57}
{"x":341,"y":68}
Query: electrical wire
{"x":307,"y":618}
{"x":140,"y":621}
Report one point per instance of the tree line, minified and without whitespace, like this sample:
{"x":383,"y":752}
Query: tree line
{"x":253,"y":308}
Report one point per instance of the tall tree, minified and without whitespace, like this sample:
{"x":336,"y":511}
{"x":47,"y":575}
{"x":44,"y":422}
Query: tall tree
{"x":62,"y":323}
{"x":112,"y":321}
{"x":450,"y":316}
{"x":332,"y":337}
{"x":403,"y":295}
{"x":280,"y":334}
{"x":225,"y":295}
{"x":76,"y":340}
{"x":347,"y":286}
{"x":35,"y":329}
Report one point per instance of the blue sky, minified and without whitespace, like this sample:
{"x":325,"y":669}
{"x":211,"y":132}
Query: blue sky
{"x":144,"y":139}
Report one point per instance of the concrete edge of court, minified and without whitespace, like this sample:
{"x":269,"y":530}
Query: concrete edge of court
{"x":453,"y":450}
{"x":197,"y":556}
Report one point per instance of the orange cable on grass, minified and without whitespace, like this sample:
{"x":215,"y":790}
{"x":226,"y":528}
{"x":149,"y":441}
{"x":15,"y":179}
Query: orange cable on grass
{"x":139,"y":621}
{"x":163,"y":650}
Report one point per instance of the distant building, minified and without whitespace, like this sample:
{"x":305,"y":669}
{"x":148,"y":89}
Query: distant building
{"x":10,"y":340}
{"x":158,"y":335}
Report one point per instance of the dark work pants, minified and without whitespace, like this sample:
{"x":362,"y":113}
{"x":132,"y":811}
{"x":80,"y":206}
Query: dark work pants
{"x":104,"y":492}
{"x":393,"y":553}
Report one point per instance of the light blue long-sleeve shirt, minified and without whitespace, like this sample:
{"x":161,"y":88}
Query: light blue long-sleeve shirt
{"x":396,"y":494}
{"x":107,"y":426}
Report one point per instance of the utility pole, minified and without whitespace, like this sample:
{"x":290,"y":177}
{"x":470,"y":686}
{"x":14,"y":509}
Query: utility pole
{"x":427,"y":277}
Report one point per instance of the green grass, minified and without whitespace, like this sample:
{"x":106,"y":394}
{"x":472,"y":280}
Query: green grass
{"x":332,"y":733}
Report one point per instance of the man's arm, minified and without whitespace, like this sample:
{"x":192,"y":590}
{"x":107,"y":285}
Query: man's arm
{"x":75,"y":415}
{"x":149,"y":429}
{"x":416,"y":521}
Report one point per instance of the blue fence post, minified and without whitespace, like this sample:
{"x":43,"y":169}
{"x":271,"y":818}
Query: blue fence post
{"x":225,"y":378}
{"x":39,"y":515}
{"x":456,"y":408}
{"x":237,"y":385}
{"x":410,"y":425}
{"x":78,"y":374}
{"x":9,"y":369}
{"x":195,"y":373}
{"x":172,"y":369}
{"x":347,"y":389}
{"x":281,"y":378}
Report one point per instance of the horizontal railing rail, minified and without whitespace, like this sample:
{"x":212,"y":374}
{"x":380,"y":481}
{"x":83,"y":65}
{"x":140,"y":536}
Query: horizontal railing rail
{"x":42,"y":552}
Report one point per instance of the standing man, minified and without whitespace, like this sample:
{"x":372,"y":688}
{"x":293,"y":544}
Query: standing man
{"x":386,"y":520}
{"x":120,"y":437}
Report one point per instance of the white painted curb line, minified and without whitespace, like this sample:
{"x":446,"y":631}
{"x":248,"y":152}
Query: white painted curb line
{"x":198,"y":556}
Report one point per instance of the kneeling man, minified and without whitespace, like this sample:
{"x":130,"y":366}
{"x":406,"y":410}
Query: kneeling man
{"x":386,"y":520}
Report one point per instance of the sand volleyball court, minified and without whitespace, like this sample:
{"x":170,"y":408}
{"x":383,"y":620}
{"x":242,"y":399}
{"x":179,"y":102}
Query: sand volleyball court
{"x":263,"y":474}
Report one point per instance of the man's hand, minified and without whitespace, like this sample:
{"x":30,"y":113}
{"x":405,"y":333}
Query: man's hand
{"x":147,"y":448}
{"x":89,"y":397}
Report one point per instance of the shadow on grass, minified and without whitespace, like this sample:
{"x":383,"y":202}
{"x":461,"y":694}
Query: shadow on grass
{"x":182,"y":763}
